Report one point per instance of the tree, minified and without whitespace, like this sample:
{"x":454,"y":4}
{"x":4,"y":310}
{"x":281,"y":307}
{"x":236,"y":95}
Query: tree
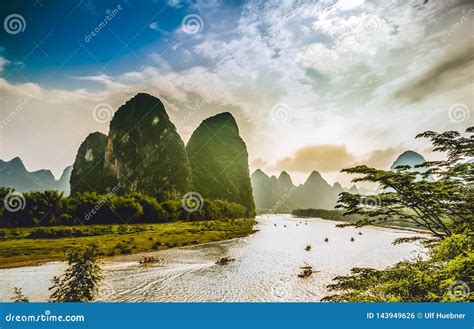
{"x":438,"y":199}
{"x":441,"y":201}
{"x":81,"y":280}
{"x":18,"y":296}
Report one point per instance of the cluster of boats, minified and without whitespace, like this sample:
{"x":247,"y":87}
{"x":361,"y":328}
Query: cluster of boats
{"x":148,"y":260}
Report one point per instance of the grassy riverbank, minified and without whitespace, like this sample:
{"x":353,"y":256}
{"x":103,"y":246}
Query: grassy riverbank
{"x":32,"y":246}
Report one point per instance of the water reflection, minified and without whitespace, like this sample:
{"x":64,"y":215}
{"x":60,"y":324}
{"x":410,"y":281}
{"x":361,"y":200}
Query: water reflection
{"x":265,"y":267}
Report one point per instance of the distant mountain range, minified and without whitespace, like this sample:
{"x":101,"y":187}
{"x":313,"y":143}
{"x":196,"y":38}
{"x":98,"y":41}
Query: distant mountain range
{"x":102,"y":161}
{"x":409,"y":158}
{"x":272,"y":194}
{"x":14,"y":174}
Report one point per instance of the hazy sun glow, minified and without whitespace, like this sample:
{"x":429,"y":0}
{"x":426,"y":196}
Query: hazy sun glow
{"x":313,"y":86}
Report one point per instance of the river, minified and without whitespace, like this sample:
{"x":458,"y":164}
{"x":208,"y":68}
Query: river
{"x":265,"y":267}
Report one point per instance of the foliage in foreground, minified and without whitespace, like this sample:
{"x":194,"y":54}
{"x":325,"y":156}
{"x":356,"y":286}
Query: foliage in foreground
{"x":445,"y":276}
{"x":80,"y":282}
{"x":438,"y":199}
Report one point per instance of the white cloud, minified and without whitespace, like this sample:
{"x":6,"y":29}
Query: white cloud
{"x":337,"y":67}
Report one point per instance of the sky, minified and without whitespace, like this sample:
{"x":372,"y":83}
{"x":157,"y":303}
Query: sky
{"x":313,"y":85}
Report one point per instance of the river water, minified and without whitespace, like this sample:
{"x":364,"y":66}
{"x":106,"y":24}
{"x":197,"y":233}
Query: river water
{"x":265,"y":269}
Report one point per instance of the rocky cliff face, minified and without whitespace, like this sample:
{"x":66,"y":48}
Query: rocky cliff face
{"x":219,"y":161}
{"x":144,"y":152}
{"x":87,"y":173}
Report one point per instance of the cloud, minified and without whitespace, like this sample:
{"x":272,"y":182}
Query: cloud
{"x":447,"y":74}
{"x":382,"y":158}
{"x":317,"y":157}
{"x":160,"y":61}
{"x":331,"y":158}
{"x":337,"y":78}
{"x":258,"y":163}
{"x":3,"y":63}
{"x":104,"y":79}
{"x":154,"y":26}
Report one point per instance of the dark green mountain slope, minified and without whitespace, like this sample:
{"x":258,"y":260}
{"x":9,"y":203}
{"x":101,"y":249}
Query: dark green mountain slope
{"x":219,"y":161}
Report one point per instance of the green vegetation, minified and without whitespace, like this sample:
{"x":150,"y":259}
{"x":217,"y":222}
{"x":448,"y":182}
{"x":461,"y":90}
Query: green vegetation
{"x":87,"y":170}
{"x":24,"y":246}
{"x":50,"y":208}
{"x":219,"y":161}
{"x":18,"y":296}
{"x":340,"y":216}
{"x":445,"y":277}
{"x":437,"y":198}
{"x":144,"y":152}
{"x":80,"y":282}
{"x":336,"y":215}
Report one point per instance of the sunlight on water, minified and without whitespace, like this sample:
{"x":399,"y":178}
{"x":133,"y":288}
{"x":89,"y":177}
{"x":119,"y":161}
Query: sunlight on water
{"x":265,"y":267}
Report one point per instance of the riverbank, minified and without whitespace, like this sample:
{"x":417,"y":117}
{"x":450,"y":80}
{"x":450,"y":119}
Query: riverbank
{"x":338,"y":216}
{"x":25,"y":246}
{"x":265,"y":269}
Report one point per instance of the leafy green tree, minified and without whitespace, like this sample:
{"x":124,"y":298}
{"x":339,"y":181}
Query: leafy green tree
{"x":81,"y":280}
{"x":153,"y":212}
{"x":47,"y":207}
{"x":441,"y":202}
